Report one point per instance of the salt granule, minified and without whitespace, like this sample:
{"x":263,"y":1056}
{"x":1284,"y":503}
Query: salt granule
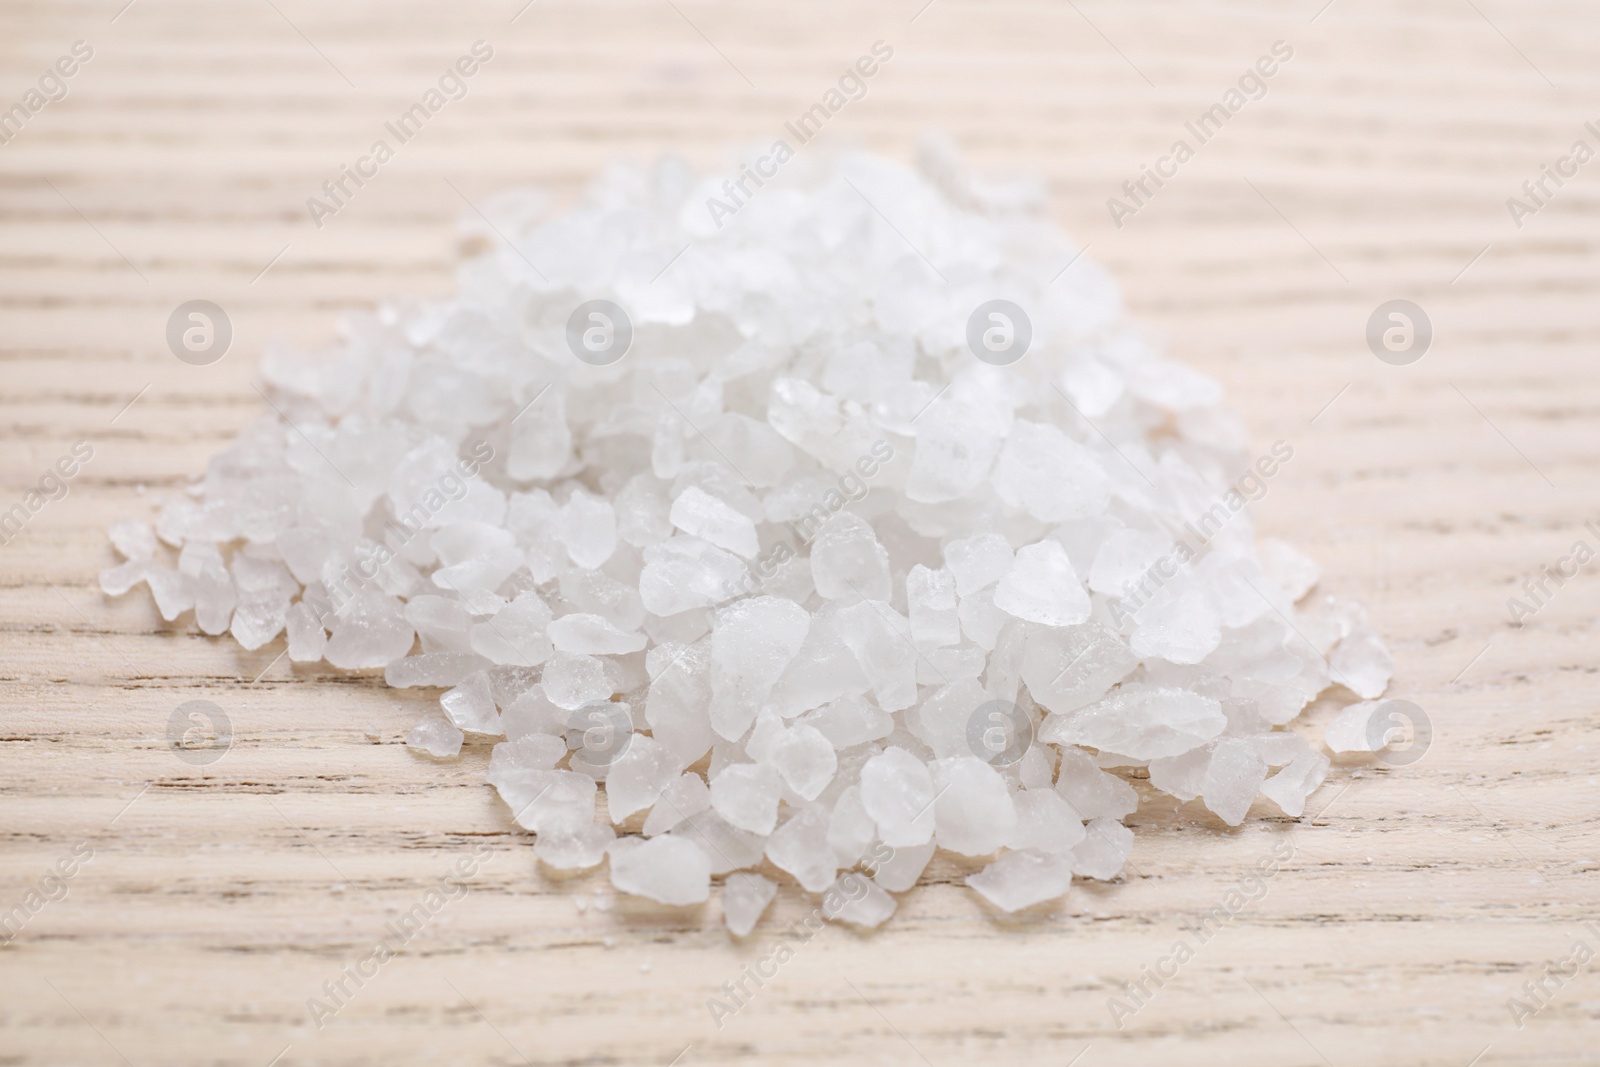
{"x":805,"y":577}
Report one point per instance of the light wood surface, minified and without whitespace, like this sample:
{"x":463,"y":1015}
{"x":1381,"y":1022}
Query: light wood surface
{"x":220,"y":898}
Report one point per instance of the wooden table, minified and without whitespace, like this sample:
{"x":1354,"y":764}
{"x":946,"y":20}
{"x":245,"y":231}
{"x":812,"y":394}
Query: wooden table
{"x":1377,"y":166}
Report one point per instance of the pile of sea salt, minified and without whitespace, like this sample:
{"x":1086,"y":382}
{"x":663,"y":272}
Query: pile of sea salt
{"x":765,"y":528}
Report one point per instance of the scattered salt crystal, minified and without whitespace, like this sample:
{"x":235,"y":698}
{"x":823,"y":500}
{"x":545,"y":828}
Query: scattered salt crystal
{"x":744,"y":898}
{"x":667,"y":869}
{"x":797,"y":537}
{"x":1021,"y":879}
{"x":435,"y":737}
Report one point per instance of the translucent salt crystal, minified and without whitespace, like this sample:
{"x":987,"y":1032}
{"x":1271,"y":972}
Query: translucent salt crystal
{"x":981,"y":620}
{"x":1045,"y":473}
{"x":850,"y":721}
{"x":578,"y":844}
{"x":747,"y":795}
{"x":1181,"y":626}
{"x":1092,"y":792}
{"x":1104,"y":849}
{"x":592,"y":635}
{"x":443,"y":624}
{"x":1045,"y":822}
{"x":680,"y":693}
{"x":800,"y":847}
{"x":805,"y":759}
{"x":133,"y":539}
{"x":931,"y":604}
{"x":369,"y":631}
{"x":597,"y":593}
{"x":545,"y":798}
{"x":686,"y":796}
{"x":642,"y":511}
{"x":1068,"y":667}
{"x":856,"y":900}
{"x":974,"y":814}
{"x":435,"y":737}
{"x":823,"y":670}
{"x":518,"y":633}
{"x":1348,"y":732}
{"x":1042,"y":587}
{"x":1292,"y":570}
{"x":744,"y":898}
{"x":571,"y":681}
{"x":1233,"y":778}
{"x":115,"y":581}
{"x":957,"y":444}
{"x":1141,"y":722}
{"x":900,"y":869}
{"x":1362,"y":663}
{"x":847,"y":562}
{"x":667,"y":869}
{"x":587,"y":526}
{"x":946,"y":718}
{"x":470,"y":706}
{"x":977,"y":562}
{"x":540,"y":752}
{"x":728,"y":847}
{"x":683,"y":573}
{"x":1021,"y":879}
{"x":476,"y":557}
{"x":880,"y":640}
{"x":307,"y":639}
{"x":433,"y":669}
{"x":214,"y":594}
{"x":262,"y":609}
{"x":897,"y":790}
{"x":1124,"y":561}
{"x":753,"y":641}
{"x":698,"y":513}
{"x":635,"y":780}
{"x":1290,"y":787}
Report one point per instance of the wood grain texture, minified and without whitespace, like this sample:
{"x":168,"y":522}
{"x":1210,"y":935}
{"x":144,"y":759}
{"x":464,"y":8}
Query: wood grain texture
{"x":220,"y":898}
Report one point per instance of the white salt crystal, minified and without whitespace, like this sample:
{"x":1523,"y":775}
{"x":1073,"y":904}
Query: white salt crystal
{"x":307,"y":639}
{"x":1293,"y":571}
{"x":899,"y":870}
{"x":855,"y":900}
{"x":1045,"y":822}
{"x":587,"y":526}
{"x":518,"y":633}
{"x":1047,"y":474}
{"x":368,"y":632}
{"x":667,"y":869}
{"x":1362,"y":663}
{"x":847,"y":562}
{"x":636,"y":778}
{"x":880,"y":639}
{"x":851,"y":829}
{"x":592,"y":635}
{"x":806,"y":761}
{"x":1103,"y":851}
{"x":698,"y":513}
{"x":753,"y":642}
{"x":931,"y":604}
{"x":570,"y":681}
{"x":135,"y":540}
{"x":744,"y":898}
{"x":850,"y":721}
{"x":747,"y":795}
{"x":977,"y":562}
{"x":897,"y":790}
{"x":800,"y":846}
{"x":471,"y":707}
{"x":1092,"y":792}
{"x":582,"y":844}
{"x":686,"y":796}
{"x":1232,"y":779}
{"x":435,"y":737}
{"x":1021,"y":879}
{"x":974,"y":814}
{"x":1141,"y":722}
{"x":1290,"y":787}
{"x":728,"y":847}
{"x":1042,"y":587}
{"x":1348,"y":732}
